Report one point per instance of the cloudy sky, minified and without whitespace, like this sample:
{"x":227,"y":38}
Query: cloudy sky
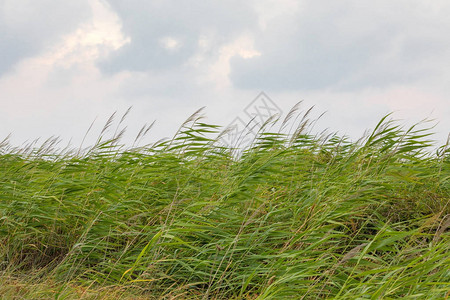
{"x":64,"y":64}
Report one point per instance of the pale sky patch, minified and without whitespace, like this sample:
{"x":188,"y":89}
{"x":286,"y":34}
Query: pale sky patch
{"x":414,"y":104}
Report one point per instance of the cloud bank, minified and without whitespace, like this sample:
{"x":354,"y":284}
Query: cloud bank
{"x":65,"y":63}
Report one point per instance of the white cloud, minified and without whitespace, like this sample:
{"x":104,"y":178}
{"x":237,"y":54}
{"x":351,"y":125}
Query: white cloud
{"x":60,"y":91}
{"x":170,"y":43}
{"x":270,"y":10}
{"x":28,"y":28}
{"x":217,"y":70}
{"x":91,"y":40}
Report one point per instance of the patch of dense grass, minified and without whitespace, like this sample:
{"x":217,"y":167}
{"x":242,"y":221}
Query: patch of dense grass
{"x":293,"y":216}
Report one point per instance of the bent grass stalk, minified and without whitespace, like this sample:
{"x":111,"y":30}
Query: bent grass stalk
{"x":294,"y":215}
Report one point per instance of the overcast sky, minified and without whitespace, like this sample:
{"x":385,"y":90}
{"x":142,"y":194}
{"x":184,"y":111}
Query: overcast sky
{"x":64,"y":64}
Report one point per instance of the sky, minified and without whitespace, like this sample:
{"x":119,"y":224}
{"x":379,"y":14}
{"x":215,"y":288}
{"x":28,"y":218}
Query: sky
{"x":67,"y":64}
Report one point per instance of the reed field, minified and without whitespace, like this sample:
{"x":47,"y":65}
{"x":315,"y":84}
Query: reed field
{"x":294,"y":215}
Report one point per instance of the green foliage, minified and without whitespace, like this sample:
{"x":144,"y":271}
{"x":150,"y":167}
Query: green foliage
{"x":293,"y":216}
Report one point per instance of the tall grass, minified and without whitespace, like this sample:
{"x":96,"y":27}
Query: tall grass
{"x":295,"y":215}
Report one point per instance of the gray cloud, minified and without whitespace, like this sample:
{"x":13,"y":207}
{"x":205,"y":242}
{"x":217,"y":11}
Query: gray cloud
{"x":146,"y":23}
{"x":356,"y":59}
{"x":347,"y":45}
{"x":27,"y":27}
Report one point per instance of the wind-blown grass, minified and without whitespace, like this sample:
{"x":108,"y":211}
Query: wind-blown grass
{"x":293,"y":216}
